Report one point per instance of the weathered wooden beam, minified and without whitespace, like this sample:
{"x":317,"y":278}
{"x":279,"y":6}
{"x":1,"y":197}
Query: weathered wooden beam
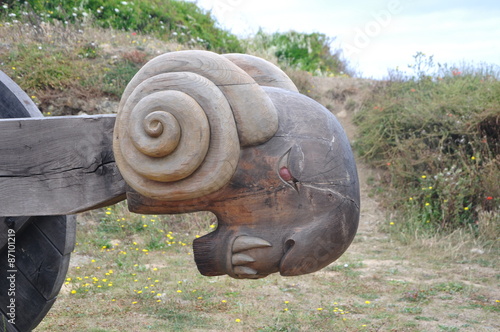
{"x":57,"y":165}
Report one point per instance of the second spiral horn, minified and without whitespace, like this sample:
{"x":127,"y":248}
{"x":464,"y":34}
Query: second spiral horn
{"x":182,"y":120}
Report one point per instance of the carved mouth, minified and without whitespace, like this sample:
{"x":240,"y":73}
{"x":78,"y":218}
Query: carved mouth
{"x":249,"y":257}
{"x":303,"y":247}
{"x":224,"y":251}
{"x":241,"y":257}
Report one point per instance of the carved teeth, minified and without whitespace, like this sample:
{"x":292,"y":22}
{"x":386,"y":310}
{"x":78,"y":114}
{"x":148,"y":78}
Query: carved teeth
{"x":244,"y":270}
{"x":249,"y":242}
{"x":242,"y":259}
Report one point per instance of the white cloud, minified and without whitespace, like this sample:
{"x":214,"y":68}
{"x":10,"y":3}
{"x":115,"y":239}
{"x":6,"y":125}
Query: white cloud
{"x":451,"y":30}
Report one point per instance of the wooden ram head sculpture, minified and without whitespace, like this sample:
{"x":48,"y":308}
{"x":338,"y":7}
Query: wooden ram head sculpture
{"x":231,"y":134}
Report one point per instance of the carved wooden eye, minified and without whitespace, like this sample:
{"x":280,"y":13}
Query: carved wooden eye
{"x":284,"y":172}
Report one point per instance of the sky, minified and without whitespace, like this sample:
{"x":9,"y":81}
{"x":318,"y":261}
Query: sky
{"x":377,"y":35}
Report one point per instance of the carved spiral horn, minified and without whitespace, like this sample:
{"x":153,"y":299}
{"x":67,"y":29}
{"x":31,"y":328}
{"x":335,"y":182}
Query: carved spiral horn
{"x":262,"y":71}
{"x":181,"y":121}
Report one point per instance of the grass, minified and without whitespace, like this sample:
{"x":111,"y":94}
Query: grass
{"x":63,"y":67}
{"x":136,"y":273}
{"x":302,"y":51}
{"x":180,"y":21}
{"x":435,"y":138}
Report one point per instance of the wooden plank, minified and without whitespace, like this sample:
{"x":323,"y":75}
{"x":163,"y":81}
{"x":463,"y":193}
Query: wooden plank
{"x":40,"y":261}
{"x":60,"y":230}
{"x":57,"y":165}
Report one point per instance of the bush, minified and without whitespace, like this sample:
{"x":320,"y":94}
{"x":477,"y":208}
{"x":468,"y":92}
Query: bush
{"x":302,"y":51}
{"x":437,"y":136}
{"x":182,"y":21}
{"x":41,"y":68}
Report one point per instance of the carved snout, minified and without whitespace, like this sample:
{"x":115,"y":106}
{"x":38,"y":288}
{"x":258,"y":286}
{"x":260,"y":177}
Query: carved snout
{"x":304,"y":246}
{"x":316,"y":247}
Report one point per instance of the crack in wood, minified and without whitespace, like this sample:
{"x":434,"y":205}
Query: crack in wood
{"x":336,"y":193}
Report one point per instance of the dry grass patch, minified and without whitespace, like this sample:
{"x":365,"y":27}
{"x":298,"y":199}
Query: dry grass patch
{"x":69,"y":69}
{"x":136,"y":273}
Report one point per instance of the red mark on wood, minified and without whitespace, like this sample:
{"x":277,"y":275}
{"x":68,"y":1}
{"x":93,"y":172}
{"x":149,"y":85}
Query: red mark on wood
{"x":285,"y":174}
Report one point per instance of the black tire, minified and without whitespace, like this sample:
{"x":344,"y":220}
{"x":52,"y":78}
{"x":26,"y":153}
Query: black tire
{"x":40,"y":246}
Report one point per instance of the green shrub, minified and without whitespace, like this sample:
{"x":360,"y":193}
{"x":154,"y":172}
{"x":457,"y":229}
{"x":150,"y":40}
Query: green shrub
{"x":116,"y":79}
{"x":41,"y":67}
{"x":308,"y":52}
{"x":437,"y":136}
{"x":182,"y":21}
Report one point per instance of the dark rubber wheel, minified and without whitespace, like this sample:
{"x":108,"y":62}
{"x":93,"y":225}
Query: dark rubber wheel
{"x":34,"y":251}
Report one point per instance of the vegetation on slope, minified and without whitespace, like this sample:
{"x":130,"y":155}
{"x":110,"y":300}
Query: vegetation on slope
{"x":436,"y":133}
{"x":181,"y":21}
{"x":62,"y":52}
{"x":309,"y":52}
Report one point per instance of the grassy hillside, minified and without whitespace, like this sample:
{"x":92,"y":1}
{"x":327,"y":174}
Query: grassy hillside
{"x":178,"y":21}
{"x":63,"y":52}
{"x":436,"y":135}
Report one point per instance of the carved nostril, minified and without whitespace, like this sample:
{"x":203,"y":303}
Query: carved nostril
{"x":289,"y":244}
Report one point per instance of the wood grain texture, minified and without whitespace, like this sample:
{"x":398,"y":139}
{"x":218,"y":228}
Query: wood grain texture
{"x":255,"y":114}
{"x":59,"y":230}
{"x":40,"y":261}
{"x":263,"y":72}
{"x":207,"y":153}
{"x":58,"y":165}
